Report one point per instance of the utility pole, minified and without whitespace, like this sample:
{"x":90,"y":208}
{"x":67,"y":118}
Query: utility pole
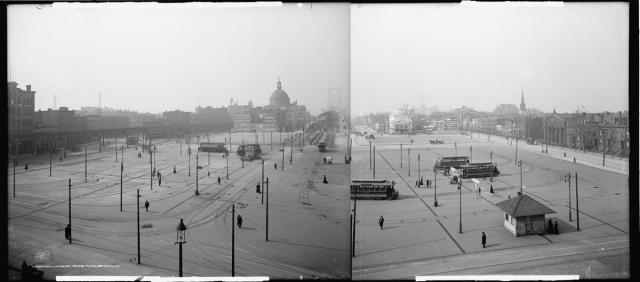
{"x":435,"y":187}
{"x":262,"y":181}
{"x":567,"y":178}
{"x":244,"y":152}
{"x":460,"y":205}
{"x":228,"y":154}
{"x":121,"y":169}
{"x":400,"y":155}
{"x":604,"y":148}
{"x":369,"y":154}
{"x":491,"y":156}
{"x":520,"y":165}
{"x":151,"y":168}
{"x":374,"y":162}
{"x":50,"y":161}
{"x":577,"y":201}
{"x":115,"y":141}
{"x":15,"y":160}
{"x":138,"y":209}
{"x":291,"y":157}
{"x":85,"y":164}
{"x":266,"y":232}
{"x":208,"y":152}
{"x":233,"y":240}
{"x":197,"y":191}
{"x":409,"y":162}
{"x":283,"y":144}
{"x":418,"y":168}
{"x":355,"y":201}
{"x":70,"y":211}
{"x":516,"y":159}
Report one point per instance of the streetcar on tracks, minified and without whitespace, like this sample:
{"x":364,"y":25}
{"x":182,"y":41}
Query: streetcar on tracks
{"x":477,"y":170}
{"x":373,"y":189}
{"x":457,"y":162}
{"x":249,"y":152}
{"x":132,"y":140}
{"x":211,"y":147}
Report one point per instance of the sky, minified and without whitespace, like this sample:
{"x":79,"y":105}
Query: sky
{"x":481,"y":55}
{"x":153,"y":57}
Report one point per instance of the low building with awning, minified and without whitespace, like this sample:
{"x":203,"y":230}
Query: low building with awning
{"x":524,"y":215}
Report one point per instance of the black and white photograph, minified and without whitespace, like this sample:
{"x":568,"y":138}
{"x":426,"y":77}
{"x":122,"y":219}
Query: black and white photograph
{"x":232,"y":141}
{"x":495,"y":137}
{"x":178,"y":140}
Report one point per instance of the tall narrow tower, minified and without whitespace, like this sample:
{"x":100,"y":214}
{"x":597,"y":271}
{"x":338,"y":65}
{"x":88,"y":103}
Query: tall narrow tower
{"x":523,"y":108}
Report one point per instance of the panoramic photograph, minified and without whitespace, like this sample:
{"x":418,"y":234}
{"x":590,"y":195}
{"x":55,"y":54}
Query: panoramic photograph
{"x":169,"y":140}
{"x":490,"y":139}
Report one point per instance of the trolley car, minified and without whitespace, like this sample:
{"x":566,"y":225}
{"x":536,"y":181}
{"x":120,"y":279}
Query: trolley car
{"x":373,"y":189}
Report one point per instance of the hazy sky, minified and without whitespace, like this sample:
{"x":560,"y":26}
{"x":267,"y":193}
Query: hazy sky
{"x":157,"y":57}
{"x":449,"y":55}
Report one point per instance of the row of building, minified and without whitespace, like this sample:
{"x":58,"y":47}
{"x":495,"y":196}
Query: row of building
{"x":598,"y":132}
{"x":280,"y":114}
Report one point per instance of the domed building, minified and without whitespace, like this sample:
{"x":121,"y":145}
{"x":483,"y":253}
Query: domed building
{"x":279,"y":97}
{"x":280,"y":114}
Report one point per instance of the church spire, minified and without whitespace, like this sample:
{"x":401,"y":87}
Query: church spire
{"x":279,"y":83}
{"x":523,"y":108}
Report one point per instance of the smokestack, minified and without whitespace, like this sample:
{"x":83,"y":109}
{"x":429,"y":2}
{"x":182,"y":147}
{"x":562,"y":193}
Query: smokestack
{"x":54,"y":102}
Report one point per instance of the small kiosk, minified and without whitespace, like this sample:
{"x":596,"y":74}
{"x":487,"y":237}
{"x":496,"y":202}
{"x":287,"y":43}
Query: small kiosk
{"x":524,"y":216}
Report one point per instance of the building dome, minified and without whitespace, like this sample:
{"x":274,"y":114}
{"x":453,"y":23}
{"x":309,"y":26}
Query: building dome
{"x":279,"y":97}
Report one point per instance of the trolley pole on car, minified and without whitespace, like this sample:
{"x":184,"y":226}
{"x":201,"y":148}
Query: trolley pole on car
{"x":70,"y":211}
{"x":577,"y":204}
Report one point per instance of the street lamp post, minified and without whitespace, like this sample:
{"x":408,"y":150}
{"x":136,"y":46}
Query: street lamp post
{"x":355,"y":202}
{"x":471,"y":151}
{"x":189,"y":154}
{"x":266,"y":231}
{"x":283,"y":144}
{"x":121,"y":169}
{"x":233,"y":240}
{"x":228,"y":154}
{"x":491,"y":156}
{"x":50,"y":161}
{"x":520,"y":165}
{"x":154,"y":158}
{"x":374,"y":162}
{"x":577,"y":206}
{"x":400,"y":155}
{"x":180,"y":239}
{"x":151,"y":168}
{"x":115,"y":145}
{"x":369,"y":154}
{"x":567,"y":178}
{"x":435,"y":187}
{"x":516,"y":159}
{"x":262,"y":180}
{"x":197,"y":168}
{"x":409,"y":162}
{"x":69,"y":210}
{"x":138,"y":213}
{"x":15,"y":160}
{"x":418,"y":168}
{"x":460,"y":205}
{"x":291,"y":156}
{"x":85,"y":164}
{"x":208,"y":152}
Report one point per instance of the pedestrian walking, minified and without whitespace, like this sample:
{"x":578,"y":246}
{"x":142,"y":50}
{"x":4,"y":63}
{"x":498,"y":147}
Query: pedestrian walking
{"x":550,"y":227}
{"x":484,"y":240}
{"x":324,"y":180}
{"x":218,"y":180}
{"x":381,"y":222}
{"x":565,"y":154}
{"x":239,"y":221}
{"x":479,"y":190}
{"x":67,"y":232}
{"x":555,"y":228}
{"x":159,"y":181}
{"x":509,"y":197}
{"x":146,"y":205}
{"x":209,"y":174}
{"x":258,"y":188}
{"x":491,"y":189}
{"x":324,"y":160}
{"x":574,"y":160}
{"x":275,"y":166}
{"x":174,"y":169}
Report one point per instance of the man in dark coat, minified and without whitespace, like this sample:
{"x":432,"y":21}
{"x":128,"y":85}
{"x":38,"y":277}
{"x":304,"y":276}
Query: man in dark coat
{"x":550,"y":227}
{"x":258,"y":188}
{"x":484,"y":240}
{"x":146,"y":205}
{"x":555,"y":228}
{"x":239,"y":221}
{"x":324,"y":180}
{"x":275,"y":166}
{"x":67,"y":232}
{"x":218,"y":180}
{"x":381,"y":222}
{"x":491,"y":188}
{"x":174,"y":169}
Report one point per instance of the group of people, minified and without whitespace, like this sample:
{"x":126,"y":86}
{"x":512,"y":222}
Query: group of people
{"x":552,"y":228}
{"x":420,"y":182}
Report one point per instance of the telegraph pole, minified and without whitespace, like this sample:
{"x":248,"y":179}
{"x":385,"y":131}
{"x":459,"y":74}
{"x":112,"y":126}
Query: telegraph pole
{"x":355,"y":201}
{"x":283,"y":144}
{"x":520,"y":165}
{"x":460,"y":205}
{"x":516,"y":159}
{"x":262,"y":191}
{"x":151,"y":168}
{"x":69,"y":210}
{"x":266,"y":232}
{"x":418,"y":168}
{"x":85,"y":164}
{"x":138,"y":209}
{"x":121,"y":169}
{"x":374,"y":162}
{"x":409,"y":162}
{"x":577,"y":201}
{"x":400,"y":155}
{"x":228,"y":154}
{"x":369,"y":154}
{"x":435,"y":187}
{"x":568,"y":179}
{"x":233,"y":240}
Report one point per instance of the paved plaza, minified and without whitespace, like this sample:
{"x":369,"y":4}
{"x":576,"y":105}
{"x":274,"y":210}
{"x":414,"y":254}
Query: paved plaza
{"x":308,"y":221}
{"x":420,"y":238}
